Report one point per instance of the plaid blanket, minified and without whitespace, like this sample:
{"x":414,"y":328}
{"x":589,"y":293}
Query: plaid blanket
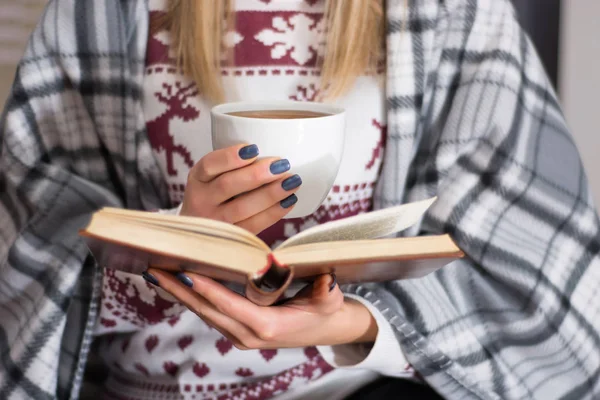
{"x":472,"y":118}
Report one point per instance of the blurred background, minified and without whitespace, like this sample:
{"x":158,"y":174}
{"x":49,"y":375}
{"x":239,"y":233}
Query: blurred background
{"x":566,"y":34}
{"x":17,"y":20}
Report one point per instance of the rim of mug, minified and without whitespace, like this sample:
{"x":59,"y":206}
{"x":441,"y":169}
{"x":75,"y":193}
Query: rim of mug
{"x":225,"y":108}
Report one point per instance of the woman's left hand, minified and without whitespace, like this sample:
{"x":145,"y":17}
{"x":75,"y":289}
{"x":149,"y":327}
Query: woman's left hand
{"x":318,"y":315}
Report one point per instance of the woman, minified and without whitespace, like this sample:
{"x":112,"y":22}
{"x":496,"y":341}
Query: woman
{"x":101,"y":115}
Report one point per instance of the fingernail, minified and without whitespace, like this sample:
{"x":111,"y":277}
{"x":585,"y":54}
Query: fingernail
{"x":150,"y":278}
{"x":292,"y":182}
{"x":333,"y":282}
{"x":183,"y":278}
{"x":280,"y":166}
{"x":248,"y":152}
{"x":289,"y":201}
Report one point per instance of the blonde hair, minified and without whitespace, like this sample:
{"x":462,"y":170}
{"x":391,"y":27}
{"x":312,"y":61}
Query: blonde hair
{"x":353,"y":41}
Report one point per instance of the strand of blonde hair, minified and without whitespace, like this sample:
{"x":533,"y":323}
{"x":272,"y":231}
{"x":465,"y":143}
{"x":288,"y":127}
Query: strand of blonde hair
{"x":353,"y":42}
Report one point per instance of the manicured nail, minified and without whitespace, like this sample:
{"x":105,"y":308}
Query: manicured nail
{"x":280,"y":166}
{"x":248,"y":152}
{"x":183,"y":278}
{"x":292,"y":182}
{"x":150,"y":278}
{"x":333,"y":282}
{"x":289,"y":201}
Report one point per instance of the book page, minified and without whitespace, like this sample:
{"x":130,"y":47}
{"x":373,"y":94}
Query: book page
{"x":330,"y":253}
{"x":377,"y":260}
{"x":171,"y":244}
{"x":371,"y":225}
{"x":200,"y":226}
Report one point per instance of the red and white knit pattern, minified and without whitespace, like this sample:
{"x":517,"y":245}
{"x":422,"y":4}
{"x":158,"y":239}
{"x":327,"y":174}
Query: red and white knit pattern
{"x":184,"y":356}
{"x":153,"y":344}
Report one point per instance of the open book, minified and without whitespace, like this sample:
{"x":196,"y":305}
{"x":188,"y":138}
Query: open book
{"x":355,"y":248}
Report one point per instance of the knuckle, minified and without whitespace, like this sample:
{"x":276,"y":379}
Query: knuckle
{"x":267,"y":332}
{"x":256,"y":174}
{"x":226,"y":307}
{"x":224,"y":184}
{"x":203,"y":167}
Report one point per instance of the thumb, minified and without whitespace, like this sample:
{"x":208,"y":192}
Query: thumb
{"x":323,"y":296}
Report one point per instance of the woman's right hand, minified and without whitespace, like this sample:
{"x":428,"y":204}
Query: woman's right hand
{"x":231,"y":185}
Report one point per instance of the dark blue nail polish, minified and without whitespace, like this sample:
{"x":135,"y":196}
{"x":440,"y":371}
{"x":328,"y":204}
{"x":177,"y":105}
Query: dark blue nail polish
{"x":150,"y":278}
{"x":248,"y":152}
{"x":183,"y":278}
{"x":289,"y":201}
{"x":280,"y":166}
{"x":292,"y":182}
{"x":333,"y":282}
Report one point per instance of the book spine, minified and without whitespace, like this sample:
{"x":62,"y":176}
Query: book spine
{"x":269,"y":284}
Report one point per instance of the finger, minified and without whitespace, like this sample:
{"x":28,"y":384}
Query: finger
{"x":256,"y":201}
{"x":268,"y":326}
{"x":229,"y":327}
{"x":225,"y":301}
{"x":323,"y":297}
{"x":271,"y":327}
{"x":220,"y":161}
{"x":261,"y":221}
{"x":246,"y":179}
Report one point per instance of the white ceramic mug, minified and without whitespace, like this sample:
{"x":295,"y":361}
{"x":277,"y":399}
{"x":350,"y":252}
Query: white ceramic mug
{"x":313,"y":145}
